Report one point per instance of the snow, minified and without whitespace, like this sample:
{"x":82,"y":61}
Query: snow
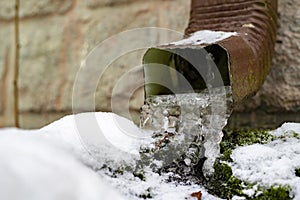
{"x":111,"y":142}
{"x":159,"y":187}
{"x":287,"y":128}
{"x":205,"y":37}
{"x":57,"y":162}
{"x":238,"y":198}
{"x":272,"y":164}
{"x":33,"y":168}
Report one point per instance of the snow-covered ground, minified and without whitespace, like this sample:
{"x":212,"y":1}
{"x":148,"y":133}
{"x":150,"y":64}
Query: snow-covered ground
{"x":56,"y":162}
{"x":34,"y":168}
{"x":271,"y":164}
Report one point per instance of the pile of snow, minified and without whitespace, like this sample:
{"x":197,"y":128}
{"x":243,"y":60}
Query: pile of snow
{"x":272,"y":164}
{"x":59,"y":161}
{"x":34,"y":168}
{"x":99,"y":138}
{"x":205,"y":37}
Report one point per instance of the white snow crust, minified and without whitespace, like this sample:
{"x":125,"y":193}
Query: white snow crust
{"x":271,"y":164}
{"x":205,"y":37}
{"x":55,"y":163}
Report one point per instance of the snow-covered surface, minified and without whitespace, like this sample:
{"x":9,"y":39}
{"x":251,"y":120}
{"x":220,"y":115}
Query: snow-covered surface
{"x":272,"y":164}
{"x":56,"y":163}
{"x":287,"y":129}
{"x":34,"y":168}
{"x":111,"y":142}
{"x":205,"y":37}
{"x":160,"y":189}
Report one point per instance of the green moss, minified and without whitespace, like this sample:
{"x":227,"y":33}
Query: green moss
{"x":140,"y":175}
{"x":296,"y":135}
{"x":247,"y":137}
{"x":274,"y":193}
{"x":289,"y":134}
{"x":224,"y":185}
{"x":226,"y":155}
{"x":235,"y":138}
{"x":223,"y":172}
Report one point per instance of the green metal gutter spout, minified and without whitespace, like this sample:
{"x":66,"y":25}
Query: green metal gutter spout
{"x":237,"y":35}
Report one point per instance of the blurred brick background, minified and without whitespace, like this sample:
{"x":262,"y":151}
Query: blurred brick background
{"x":57,"y":35}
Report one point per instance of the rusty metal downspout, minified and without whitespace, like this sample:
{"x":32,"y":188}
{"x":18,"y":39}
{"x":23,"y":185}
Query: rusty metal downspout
{"x":249,"y":52}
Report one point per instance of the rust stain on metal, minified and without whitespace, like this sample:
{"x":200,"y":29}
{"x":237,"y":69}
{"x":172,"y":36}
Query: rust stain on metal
{"x":250,"y":52}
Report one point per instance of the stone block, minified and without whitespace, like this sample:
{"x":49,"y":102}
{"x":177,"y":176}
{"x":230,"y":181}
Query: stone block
{"x":33,"y":8}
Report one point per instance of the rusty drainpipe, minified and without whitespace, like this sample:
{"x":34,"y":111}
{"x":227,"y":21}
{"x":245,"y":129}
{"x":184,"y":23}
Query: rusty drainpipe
{"x":243,"y":59}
